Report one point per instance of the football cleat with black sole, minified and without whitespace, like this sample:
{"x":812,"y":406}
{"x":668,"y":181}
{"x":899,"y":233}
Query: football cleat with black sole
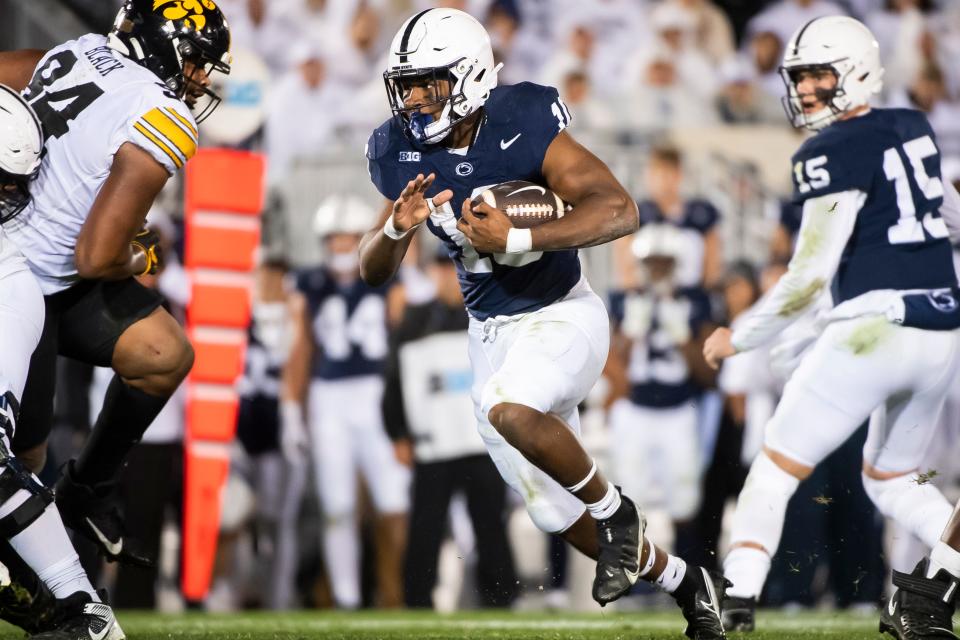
{"x":94,"y":512}
{"x":618,"y":563}
{"x":921,"y":608}
{"x":80,"y":618}
{"x":738,"y":613}
{"x":699,"y":595}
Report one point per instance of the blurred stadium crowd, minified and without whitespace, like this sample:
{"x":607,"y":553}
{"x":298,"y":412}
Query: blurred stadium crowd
{"x":681,"y":98}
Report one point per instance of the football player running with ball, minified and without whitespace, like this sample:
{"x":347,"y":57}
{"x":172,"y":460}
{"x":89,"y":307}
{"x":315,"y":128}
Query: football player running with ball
{"x":117,"y":114}
{"x":869,"y":182}
{"x":539,"y":336}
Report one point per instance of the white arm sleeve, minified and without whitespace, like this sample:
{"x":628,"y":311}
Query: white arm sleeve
{"x":827,"y":224}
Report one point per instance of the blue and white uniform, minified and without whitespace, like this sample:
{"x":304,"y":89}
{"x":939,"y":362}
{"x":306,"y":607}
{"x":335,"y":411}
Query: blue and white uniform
{"x":696,"y":220}
{"x":538,"y":335}
{"x":653,"y":432}
{"x":347,"y":436}
{"x":871,"y":193}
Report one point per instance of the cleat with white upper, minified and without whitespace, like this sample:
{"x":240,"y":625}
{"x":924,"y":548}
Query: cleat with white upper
{"x":80,"y":618}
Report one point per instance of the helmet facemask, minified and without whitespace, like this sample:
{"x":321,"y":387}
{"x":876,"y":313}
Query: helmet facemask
{"x":14,"y":194}
{"x":835,"y":100}
{"x":421,"y":125}
{"x":194,"y":59}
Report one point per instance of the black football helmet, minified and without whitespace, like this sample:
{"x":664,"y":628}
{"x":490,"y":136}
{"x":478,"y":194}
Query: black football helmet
{"x":164,"y":35}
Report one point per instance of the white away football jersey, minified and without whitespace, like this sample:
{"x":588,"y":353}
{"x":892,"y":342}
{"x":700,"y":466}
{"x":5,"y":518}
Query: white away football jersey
{"x":91,"y":99}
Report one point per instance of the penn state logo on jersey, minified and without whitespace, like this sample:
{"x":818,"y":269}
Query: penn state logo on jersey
{"x":899,"y":241}
{"x":349,"y":325}
{"x":518,"y":123}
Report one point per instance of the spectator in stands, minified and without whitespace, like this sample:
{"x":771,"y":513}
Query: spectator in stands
{"x":696,"y":218}
{"x":303,"y":112}
{"x":712,"y":29}
{"x":899,"y":28}
{"x":429,"y":416}
{"x":263,"y":27}
{"x":592,"y":114}
{"x":784,"y":17}
{"x":928,"y":93}
{"x":742,"y":100}
{"x":577,"y":56}
{"x":675,"y":29}
{"x":766,"y":53}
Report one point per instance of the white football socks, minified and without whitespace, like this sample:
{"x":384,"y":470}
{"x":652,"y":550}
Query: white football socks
{"x":341,"y":552}
{"x":946,"y":557}
{"x":758,"y":520}
{"x":46,"y":548}
{"x":607,"y":505}
{"x":918,"y":507}
{"x":673,"y":575}
{"x":747,"y":569}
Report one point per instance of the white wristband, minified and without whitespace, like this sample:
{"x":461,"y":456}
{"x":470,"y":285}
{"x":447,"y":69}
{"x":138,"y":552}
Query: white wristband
{"x":519,"y":240}
{"x":392,"y":232}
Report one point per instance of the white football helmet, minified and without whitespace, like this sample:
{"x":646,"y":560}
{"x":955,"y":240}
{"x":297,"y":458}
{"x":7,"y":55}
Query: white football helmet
{"x":433,"y":45}
{"x":21,"y":148}
{"x":658,"y":240}
{"x":843,"y":45}
{"x":341,"y":213}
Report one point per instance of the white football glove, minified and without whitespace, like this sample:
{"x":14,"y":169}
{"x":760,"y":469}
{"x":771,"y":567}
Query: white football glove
{"x":674,"y":317}
{"x":293,"y":433}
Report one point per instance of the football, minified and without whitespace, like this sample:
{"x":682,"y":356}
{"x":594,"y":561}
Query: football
{"x":527,"y":204}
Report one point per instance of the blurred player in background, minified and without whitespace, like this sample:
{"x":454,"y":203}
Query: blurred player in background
{"x":118,"y":115}
{"x":696,"y":219}
{"x":870,"y":185}
{"x":539,"y":336}
{"x":657,"y":364}
{"x":339,"y":353}
{"x":27,"y":518}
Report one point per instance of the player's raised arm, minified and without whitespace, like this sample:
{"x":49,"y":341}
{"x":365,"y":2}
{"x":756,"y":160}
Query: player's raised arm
{"x":602,"y":208}
{"x":105,"y":248}
{"x":16,"y":67}
{"x":383,"y":247}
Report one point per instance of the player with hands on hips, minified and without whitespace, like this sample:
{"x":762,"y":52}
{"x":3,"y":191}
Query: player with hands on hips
{"x":873,"y":221}
{"x":538,"y":335}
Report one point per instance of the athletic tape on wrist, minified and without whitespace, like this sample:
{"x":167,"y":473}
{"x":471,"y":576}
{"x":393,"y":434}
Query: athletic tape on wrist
{"x":519,"y":240}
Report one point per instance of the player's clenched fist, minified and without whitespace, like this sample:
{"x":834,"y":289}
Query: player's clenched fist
{"x":413,"y":207}
{"x":718,"y":347}
{"x":148,"y":241}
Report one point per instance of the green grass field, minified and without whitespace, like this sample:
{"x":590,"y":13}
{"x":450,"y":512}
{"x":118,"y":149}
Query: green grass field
{"x":500,"y":625}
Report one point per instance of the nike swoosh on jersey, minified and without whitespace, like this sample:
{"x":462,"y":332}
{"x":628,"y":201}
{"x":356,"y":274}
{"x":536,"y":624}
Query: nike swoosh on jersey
{"x":114,"y":548}
{"x":522,"y":189}
{"x":504,"y":144}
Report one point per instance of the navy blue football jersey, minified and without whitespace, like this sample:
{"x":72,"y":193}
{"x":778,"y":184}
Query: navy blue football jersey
{"x":348,"y":323}
{"x":518,"y":124}
{"x":899,"y":240}
{"x":658,"y":372}
{"x":698,"y":215}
